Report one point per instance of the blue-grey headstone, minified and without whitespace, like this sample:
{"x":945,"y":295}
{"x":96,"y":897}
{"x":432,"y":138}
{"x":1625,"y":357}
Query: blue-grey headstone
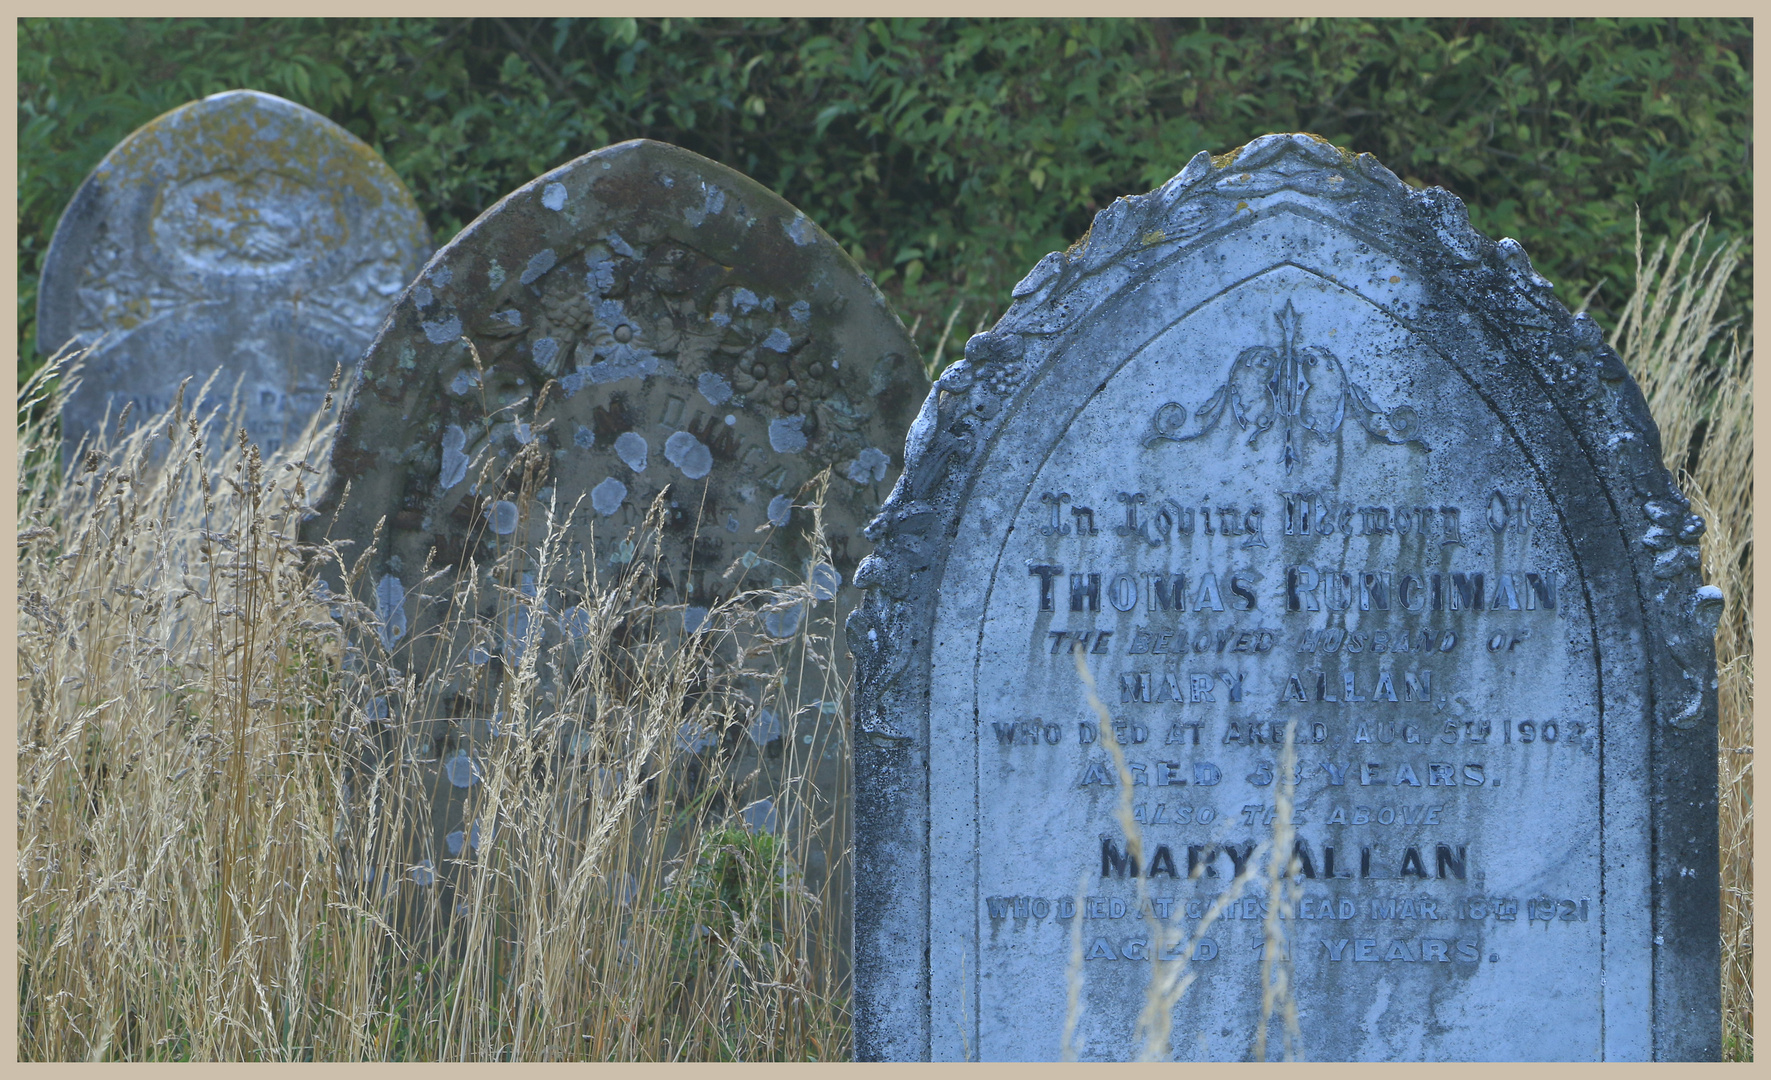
{"x":241,"y":232}
{"x":1286,"y":445}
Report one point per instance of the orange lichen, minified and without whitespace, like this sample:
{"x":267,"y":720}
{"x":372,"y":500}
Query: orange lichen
{"x":211,"y":137}
{"x":1223,"y":160}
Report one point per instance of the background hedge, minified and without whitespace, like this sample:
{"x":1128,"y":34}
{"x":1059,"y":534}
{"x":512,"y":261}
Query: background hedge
{"x":949,"y":155}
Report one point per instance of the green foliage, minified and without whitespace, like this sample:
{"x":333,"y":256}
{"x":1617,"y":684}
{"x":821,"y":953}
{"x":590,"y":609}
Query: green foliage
{"x":729,"y":906}
{"x":731,"y":891}
{"x":949,"y":155}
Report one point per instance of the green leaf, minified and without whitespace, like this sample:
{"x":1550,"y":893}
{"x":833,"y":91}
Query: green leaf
{"x":1003,"y":138}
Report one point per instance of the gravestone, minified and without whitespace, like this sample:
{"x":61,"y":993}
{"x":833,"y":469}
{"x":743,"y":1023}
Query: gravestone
{"x":1287,"y":446}
{"x":241,"y":232}
{"x":639,"y":318}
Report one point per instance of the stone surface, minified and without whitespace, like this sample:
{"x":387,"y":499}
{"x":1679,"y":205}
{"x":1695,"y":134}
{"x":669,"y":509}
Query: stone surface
{"x":1287,"y":441}
{"x":241,"y":232}
{"x":681,"y":326}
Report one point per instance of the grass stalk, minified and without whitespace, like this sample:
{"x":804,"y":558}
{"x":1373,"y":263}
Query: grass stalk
{"x":1695,"y":370}
{"x":232,"y":782}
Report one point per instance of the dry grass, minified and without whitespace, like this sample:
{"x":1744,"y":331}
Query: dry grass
{"x":1696,"y":373}
{"x":226,"y":782}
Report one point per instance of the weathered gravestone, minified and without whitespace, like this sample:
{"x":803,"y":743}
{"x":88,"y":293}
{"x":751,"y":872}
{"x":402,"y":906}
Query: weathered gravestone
{"x":240,"y":232}
{"x":645,"y":318}
{"x":1286,"y":442}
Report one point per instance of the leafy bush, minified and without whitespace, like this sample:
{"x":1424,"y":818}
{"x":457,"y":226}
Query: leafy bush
{"x":949,"y":155}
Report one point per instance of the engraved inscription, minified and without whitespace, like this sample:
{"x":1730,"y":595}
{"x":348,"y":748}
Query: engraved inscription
{"x":1272,"y":590}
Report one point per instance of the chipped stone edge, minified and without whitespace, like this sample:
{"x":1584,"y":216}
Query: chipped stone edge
{"x":890,"y":630}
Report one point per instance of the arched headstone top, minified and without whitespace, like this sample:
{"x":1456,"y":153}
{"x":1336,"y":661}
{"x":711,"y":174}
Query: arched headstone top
{"x":1479,"y":302}
{"x":1286,"y":446}
{"x":642,"y":317}
{"x":242,"y":231}
{"x":645,"y":259}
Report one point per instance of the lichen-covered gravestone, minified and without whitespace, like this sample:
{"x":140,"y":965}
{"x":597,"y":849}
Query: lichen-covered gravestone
{"x":639,"y":318}
{"x":1286,"y":445}
{"x":240,"y":232}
